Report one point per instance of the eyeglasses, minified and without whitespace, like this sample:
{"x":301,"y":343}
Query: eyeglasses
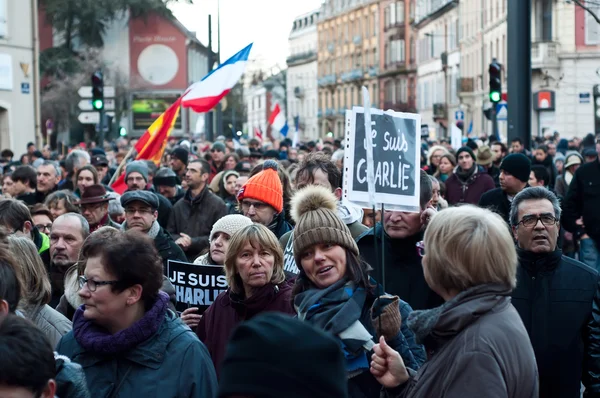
{"x":44,"y":227}
{"x":421,"y":248}
{"x":91,"y":207}
{"x":258,"y":206}
{"x":531,"y":221}
{"x":131,"y":212}
{"x":92,"y":284}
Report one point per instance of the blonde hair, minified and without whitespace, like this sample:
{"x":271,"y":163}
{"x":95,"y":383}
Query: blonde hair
{"x":459,"y":253}
{"x":433,"y":150}
{"x":258,"y":236}
{"x":37,"y":290}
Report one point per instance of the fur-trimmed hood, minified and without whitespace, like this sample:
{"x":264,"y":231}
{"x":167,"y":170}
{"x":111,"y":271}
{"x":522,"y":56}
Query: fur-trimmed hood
{"x":72,"y":287}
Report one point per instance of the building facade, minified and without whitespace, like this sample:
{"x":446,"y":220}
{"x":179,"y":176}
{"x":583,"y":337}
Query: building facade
{"x":302,"y":89}
{"x":438,"y":55}
{"x":397,"y":63}
{"x":19,"y":76}
{"x":255,"y":98}
{"x":348,"y":58}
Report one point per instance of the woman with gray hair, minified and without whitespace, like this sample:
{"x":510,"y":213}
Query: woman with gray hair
{"x":476,"y":342}
{"x":36,"y":290}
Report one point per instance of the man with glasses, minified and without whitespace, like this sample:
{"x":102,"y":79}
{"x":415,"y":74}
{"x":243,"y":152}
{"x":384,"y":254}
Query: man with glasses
{"x":193,"y":216}
{"x":94,"y":207}
{"x":141,"y":214}
{"x":557,"y":297}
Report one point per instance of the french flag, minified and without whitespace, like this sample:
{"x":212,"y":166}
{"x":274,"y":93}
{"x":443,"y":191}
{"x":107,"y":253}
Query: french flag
{"x":208,"y":92}
{"x":277,"y":120}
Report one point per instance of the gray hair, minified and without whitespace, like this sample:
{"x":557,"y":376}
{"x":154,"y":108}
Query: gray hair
{"x":76,"y":159}
{"x":533,"y":193}
{"x":85,"y":226}
{"x":53,"y":164}
{"x":114,"y":206}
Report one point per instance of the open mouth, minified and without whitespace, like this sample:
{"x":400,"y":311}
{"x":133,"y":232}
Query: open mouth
{"x":540,"y":238}
{"x":324,"y":270}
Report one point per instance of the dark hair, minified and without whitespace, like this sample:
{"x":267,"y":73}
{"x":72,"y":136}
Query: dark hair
{"x":26,"y":355}
{"x":319,"y":161}
{"x":543,"y":148}
{"x":357,"y":271}
{"x":517,"y":139}
{"x":426,"y":189}
{"x":10,"y":283}
{"x":234,"y":155}
{"x":502,"y":146}
{"x":13,"y":214}
{"x":533,"y":193}
{"x":65,"y":195}
{"x":541,"y":173}
{"x":130,"y":257}
{"x":7,"y":153}
{"x":205,"y":165}
{"x":41,"y":209}
{"x":92,"y":170}
{"x":25,"y":174}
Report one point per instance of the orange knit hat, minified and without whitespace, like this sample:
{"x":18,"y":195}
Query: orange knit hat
{"x":265,"y":186}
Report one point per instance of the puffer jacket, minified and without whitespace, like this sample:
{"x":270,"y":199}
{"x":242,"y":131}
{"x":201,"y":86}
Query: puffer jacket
{"x":54,"y":324}
{"x":70,"y":379}
{"x":477,"y":347}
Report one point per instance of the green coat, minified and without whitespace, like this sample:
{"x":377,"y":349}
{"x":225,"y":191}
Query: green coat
{"x":171,"y":364}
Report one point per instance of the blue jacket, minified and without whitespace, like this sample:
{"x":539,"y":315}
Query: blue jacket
{"x":172,"y":363}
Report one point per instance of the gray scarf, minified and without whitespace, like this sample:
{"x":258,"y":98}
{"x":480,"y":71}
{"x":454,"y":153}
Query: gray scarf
{"x":152,"y":232}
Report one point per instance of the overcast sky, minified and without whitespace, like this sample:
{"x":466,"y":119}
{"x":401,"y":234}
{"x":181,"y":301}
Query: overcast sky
{"x":267,"y":23}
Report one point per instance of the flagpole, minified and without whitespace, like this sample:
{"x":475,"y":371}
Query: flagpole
{"x":123,"y":162}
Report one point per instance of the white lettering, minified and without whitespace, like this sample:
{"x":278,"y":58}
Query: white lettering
{"x":358,"y":172}
{"x":405,"y":175}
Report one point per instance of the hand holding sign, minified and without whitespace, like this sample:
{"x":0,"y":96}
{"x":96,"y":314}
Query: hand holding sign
{"x":191,"y":318}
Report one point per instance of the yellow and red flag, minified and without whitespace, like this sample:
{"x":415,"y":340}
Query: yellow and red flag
{"x":151,"y":145}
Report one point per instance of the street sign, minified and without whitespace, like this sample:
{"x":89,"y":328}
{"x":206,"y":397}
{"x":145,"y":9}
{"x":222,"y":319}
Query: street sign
{"x":86,"y":91}
{"x":502,"y":112}
{"x":86,"y":105}
{"x":459,"y":115}
{"x":91,"y":117}
{"x":25,"y":88}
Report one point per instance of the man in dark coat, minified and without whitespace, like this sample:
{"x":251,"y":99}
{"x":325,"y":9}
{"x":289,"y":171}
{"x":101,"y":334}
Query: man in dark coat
{"x":141,"y":214}
{"x":137,"y":179}
{"x":514,"y":175}
{"x":558,"y":299}
{"x":403,"y":269}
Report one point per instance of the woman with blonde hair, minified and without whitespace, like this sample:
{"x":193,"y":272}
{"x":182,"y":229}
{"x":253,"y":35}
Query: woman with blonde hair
{"x":476,"y":341}
{"x":36,"y":290}
{"x":433,"y":158}
{"x":254,"y":271}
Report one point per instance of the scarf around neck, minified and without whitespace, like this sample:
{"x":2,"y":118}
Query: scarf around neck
{"x":464,"y":175}
{"x":152,"y":232}
{"x":337,"y":310}
{"x":98,"y":340}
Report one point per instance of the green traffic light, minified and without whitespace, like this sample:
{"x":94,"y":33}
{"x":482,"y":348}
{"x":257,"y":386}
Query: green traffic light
{"x":495,"y":96}
{"x":98,"y":104}
{"x":122,"y":131}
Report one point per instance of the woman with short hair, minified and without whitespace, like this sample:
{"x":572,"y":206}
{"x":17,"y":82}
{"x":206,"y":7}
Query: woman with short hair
{"x":37,"y":290}
{"x":335,"y":292}
{"x":61,"y":202}
{"x":125,"y":337}
{"x":476,"y":342}
{"x":254,"y":271}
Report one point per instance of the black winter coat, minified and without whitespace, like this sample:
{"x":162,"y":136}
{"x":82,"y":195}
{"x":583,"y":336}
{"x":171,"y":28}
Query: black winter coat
{"x":403,"y":269}
{"x":168,"y":249}
{"x":559,"y":302}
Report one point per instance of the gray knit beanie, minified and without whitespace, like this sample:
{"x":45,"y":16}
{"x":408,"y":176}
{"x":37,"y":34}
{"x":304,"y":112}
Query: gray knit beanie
{"x":314,"y":210}
{"x":138,"y":166}
{"x":230,"y":224}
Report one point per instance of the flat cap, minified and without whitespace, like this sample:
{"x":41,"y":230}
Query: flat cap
{"x":146,"y":197}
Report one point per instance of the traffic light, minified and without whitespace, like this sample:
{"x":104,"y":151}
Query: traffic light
{"x":597,"y":109}
{"x":97,"y":91}
{"x":495,"y":81}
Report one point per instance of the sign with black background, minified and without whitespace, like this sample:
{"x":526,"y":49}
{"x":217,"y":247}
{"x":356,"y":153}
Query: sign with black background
{"x":196,"y":285}
{"x":396,"y":154}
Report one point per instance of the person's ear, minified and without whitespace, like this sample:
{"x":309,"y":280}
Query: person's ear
{"x":338,"y":193}
{"x":134,"y":294}
{"x":27,"y":227}
{"x":155,"y":214}
{"x":49,"y":390}
{"x":4,"y":309}
{"x":514,"y":231}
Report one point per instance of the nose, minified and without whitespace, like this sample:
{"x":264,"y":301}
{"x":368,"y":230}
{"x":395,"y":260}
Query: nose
{"x":539,"y":225}
{"x":256,"y":260}
{"x":60,"y":244}
{"x":319,"y":255}
{"x":84,"y":292}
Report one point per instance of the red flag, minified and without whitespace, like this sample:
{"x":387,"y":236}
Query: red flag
{"x":151,"y":145}
{"x":258,"y":133}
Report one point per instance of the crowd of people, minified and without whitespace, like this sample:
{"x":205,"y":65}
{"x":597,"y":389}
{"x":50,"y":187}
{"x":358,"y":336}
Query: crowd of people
{"x":491,"y":289}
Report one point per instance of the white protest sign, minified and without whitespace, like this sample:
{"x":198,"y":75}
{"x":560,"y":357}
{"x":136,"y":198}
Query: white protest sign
{"x":396,"y":145}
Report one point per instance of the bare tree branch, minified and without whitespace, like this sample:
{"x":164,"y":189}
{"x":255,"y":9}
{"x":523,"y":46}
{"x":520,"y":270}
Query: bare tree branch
{"x":592,"y":13}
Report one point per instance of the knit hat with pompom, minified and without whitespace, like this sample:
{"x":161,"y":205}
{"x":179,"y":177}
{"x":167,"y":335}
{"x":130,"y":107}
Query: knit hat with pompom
{"x":314,"y":210}
{"x":265,"y":187}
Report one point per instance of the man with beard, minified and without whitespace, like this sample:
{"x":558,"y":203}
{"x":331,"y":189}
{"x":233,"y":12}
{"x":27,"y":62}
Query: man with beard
{"x":557,"y":298}
{"x":68,"y":233}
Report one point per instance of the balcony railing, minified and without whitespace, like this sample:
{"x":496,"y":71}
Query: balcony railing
{"x":327,"y":80}
{"x":544,"y":55}
{"x":319,"y":113}
{"x":354,"y":74}
{"x":391,"y":26}
{"x":329,"y":112}
{"x":305,"y":56}
{"x":341,"y":111}
{"x":373,"y":71}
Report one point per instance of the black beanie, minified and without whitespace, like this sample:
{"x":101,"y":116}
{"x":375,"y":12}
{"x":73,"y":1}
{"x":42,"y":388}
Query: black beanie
{"x":517,"y":165}
{"x":181,"y":154}
{"x":466,"y":149}
{"x":274,"y":355}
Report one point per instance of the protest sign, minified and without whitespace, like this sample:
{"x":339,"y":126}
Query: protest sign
{"x":396,"y":142}
{"x":196,"y":285}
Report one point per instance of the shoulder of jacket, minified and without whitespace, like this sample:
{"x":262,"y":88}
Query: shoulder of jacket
{"x":577,"y":266}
